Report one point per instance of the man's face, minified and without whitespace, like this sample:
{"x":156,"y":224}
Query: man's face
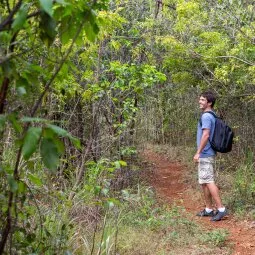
{"x":203,"y":103}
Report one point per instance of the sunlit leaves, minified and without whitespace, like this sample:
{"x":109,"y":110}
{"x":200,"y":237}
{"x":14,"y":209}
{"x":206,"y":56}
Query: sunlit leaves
{"x":91,"y":27}
{"x":212,"y":44}
{"x":109,"y":22}
{"x":133,"y":76}
{"x":190,"y":17}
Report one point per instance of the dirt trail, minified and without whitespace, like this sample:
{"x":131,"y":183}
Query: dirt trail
{"x":169,"y":184}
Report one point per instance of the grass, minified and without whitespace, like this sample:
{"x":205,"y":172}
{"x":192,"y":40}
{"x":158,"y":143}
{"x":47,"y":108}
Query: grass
{"x":241,"y":197}
{"x":148,"y":227}
{"x":141,"y":225}
{"x":216,"y":237}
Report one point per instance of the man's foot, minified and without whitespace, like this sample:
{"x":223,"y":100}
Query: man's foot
{"x":204,"y":213}
{"x":219,"y":215}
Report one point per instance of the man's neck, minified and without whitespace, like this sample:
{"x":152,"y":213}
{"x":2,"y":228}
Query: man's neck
{"x":208,"y":109}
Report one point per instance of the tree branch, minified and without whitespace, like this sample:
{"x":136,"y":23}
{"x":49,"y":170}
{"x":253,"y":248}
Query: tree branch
{"x":195,"y":54}
{"x":3,"y":93}
{"x":8,"y":6}
{"x":48,"y":84}
{"x":9,"y":19}
{"x":242,"y":60}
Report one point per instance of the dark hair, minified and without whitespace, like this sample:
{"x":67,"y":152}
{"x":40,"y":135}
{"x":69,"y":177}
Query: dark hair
{"x":210,"y":97}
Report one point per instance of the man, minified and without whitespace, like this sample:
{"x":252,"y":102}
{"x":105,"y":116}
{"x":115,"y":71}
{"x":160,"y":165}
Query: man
{"x":205,"y":157}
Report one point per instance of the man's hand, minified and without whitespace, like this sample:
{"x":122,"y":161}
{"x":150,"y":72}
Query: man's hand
{"x":196,"y":157}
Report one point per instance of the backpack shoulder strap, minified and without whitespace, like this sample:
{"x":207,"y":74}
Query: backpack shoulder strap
{"x":211,"y":112}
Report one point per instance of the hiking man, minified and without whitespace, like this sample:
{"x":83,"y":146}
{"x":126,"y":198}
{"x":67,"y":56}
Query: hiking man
{"x":205,"y":157}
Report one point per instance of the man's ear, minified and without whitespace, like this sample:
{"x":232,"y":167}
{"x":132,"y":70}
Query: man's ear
{"x":210,"y":103}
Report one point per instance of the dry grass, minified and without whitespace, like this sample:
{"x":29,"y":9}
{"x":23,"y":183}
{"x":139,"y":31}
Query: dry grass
{"x":133,"y":241}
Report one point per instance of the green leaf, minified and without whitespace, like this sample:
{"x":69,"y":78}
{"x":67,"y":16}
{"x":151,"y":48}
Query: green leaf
{"x":49,"y":153}
{"x":123,"y":163}
{"x":117,"y":164}
{"x":60,"y":145}
{"x":5,"y":37}
{"x":20,"y":18}
{"x":12,"y":183}
{"x":46,"y":5}
{"x":76,"y":142}
{"x":91,"y":27}
{"x":58,"y":130}
{"x":48,"y":133}
{"x":90,"y":32}
{"x":31,"y":141}
{"x":35,"y":180}
{"x":62,"y":132}
{"x":15,"y":123}
{"x":47,"y":28}
{"x":21,"y":187}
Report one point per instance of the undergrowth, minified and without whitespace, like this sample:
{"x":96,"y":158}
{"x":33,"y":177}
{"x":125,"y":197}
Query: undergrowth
{"x":242,"y":197}
{"x":100,"y":220}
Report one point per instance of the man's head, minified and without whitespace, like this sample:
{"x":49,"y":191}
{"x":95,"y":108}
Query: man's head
{"x":207,"y":100}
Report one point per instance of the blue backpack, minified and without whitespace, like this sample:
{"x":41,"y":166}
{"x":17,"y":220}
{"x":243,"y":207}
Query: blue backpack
{"x":223,"y":135}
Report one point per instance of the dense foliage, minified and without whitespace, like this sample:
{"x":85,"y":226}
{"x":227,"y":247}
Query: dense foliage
{"x":83,"y":83}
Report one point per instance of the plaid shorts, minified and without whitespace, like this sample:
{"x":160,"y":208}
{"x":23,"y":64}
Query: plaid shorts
{"x":206,"y":170}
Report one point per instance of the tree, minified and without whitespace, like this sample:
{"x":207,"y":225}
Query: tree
{"x":28,"y":69}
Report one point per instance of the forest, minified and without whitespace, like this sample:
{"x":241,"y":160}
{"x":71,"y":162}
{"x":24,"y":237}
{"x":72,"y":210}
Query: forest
{"x":85,"y":87}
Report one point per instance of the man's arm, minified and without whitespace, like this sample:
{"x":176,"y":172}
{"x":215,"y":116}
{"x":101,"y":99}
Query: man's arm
{"x":203,"y":142}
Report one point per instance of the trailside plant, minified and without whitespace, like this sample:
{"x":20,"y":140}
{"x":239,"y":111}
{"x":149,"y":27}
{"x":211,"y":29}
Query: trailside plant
{"x":27,"y":74}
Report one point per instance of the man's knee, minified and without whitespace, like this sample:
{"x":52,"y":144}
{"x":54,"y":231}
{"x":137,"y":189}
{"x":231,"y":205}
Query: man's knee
{"x":203,"y":186}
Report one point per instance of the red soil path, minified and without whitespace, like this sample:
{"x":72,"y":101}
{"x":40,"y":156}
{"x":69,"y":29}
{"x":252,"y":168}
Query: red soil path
{"x":169,"y":183}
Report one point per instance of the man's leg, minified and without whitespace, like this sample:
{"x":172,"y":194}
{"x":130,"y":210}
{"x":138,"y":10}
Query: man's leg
{"x":205,"y":176}
{"x":222,"y":211}
{"x":207,"y":196}
{"x":207,"y":211}
{"x":211,"y":191}
{"x":215,"y":194}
